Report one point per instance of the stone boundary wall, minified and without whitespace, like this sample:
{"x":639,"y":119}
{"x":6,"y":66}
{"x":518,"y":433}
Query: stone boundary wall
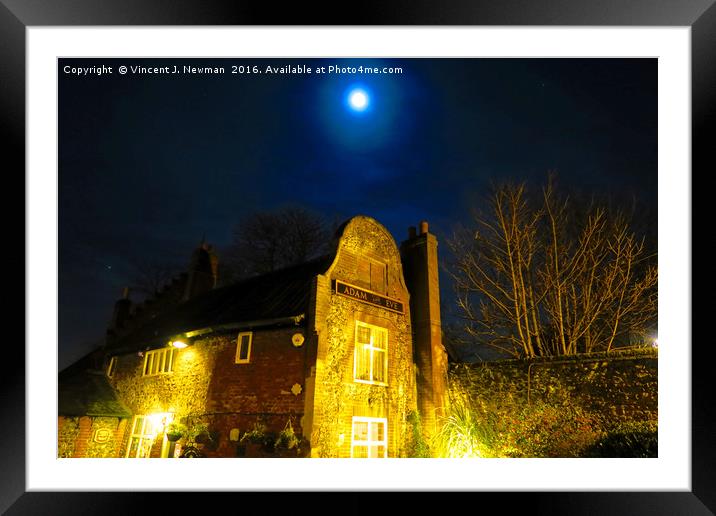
{"x":620,"y":386}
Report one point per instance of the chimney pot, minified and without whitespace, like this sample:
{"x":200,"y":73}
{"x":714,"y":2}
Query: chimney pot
{"x":423,"y":227}
{"x":412,"y":232}
{"x":125,"y":293}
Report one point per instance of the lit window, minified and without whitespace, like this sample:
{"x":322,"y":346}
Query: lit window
{"x":369,"y":438}
{"x":243,"y":348}
{"x":370,"y":363}
{"x":112,"y":367}
{"x":142,"y":438}
{"x":159,"y":361}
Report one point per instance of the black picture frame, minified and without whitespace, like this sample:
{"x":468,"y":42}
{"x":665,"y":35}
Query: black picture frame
{"x":17,"y":15}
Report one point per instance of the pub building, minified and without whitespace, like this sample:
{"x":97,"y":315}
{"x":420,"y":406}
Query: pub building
{"x":328,"y":358}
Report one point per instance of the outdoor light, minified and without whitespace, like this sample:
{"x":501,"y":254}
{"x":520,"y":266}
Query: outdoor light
{"x":160,"y":420}
{"x":358,"y":99}
{"x":179,"y":344}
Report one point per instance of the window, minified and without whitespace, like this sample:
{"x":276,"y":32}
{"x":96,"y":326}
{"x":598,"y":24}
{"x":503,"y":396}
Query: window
{"x":142,"y":438}
{"x":369,"y":438}
{"x":243,"y":348}
{"x":111,"y":367}
{"x":370,"y":363}
{"x":159,"y":361}
{"x":377,"y":277}
{"x":371,"y":274}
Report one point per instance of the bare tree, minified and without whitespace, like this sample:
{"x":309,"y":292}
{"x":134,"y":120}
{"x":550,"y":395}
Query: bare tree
{"x":268,"y":241}
{"x":537,"y":276}
{"x":148,"y":278}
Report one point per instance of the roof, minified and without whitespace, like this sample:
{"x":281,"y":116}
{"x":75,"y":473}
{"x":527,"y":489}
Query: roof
{"x":280,"y":294}
{"x":87,"y":392}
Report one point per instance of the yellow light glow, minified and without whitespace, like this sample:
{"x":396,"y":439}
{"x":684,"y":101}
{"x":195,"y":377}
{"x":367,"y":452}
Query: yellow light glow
{"x":186,"y":355}
{"x":179,"y":344}
{"x":159,"y":421}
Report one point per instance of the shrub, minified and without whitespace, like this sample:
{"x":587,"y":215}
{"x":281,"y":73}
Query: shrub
{"x":474,"y":427}
{"x":463,"y":433}
{"x":628,"y":440}
{"x":543,"y":430}
{"x":417,"y":447}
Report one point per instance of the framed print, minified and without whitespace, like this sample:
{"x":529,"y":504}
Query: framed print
{"x":152,"y":134}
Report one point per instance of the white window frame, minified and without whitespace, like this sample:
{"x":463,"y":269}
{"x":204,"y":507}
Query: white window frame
{"x":246,"y":360}
{"x":372,"y":349}
{"x":165,"y":358}
{"x":142,"y":436}
{"x":111,"y":367}
{"x":370,"y":443}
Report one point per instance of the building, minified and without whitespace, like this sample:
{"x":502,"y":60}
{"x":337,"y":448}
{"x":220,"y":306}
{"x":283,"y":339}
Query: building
{"x":339,"y":350}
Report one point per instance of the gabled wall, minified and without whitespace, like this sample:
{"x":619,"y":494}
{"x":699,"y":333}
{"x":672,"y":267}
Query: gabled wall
{"x":334,"y":397}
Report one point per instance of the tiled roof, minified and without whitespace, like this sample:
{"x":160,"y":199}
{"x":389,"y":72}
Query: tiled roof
{"x":87,"y":392}
{"x":279,"y":294}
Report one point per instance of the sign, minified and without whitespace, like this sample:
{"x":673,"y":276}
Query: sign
{"x":366,"y":296}
{"x":102,"y":435}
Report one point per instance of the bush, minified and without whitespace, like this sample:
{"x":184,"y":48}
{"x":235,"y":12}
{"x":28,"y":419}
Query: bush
{"x":543,"y":430}
{"x":463,"y":433}
{"x":479,"y":428}
{"x":628,"y":440}
{"x":417,"y":447}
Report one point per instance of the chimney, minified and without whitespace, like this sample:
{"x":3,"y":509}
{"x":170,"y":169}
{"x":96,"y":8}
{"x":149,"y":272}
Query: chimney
{"x":202,"y":273}
{"x":420,"y":267}
{"x":423,"y":227}
{"x":121,"y":312}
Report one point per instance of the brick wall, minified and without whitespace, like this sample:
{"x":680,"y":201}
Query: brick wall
{"x":269,"y":389}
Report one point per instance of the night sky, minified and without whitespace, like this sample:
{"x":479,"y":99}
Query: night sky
{"x":150,"y":164}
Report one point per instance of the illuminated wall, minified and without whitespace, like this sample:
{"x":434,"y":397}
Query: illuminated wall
{"x":182,"y":392}
{"x":333,"y":396}
{"x":85,"y":436}
{"x":207,"y":386}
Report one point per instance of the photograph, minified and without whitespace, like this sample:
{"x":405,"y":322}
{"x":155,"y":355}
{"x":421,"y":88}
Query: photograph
{"x":348,"y":257}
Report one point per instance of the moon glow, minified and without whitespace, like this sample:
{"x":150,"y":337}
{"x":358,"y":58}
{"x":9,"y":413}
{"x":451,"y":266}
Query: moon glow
{"x":358,"y":100}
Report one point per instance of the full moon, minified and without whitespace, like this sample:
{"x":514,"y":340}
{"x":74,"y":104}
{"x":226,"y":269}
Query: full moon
{"x":358,"y":100}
